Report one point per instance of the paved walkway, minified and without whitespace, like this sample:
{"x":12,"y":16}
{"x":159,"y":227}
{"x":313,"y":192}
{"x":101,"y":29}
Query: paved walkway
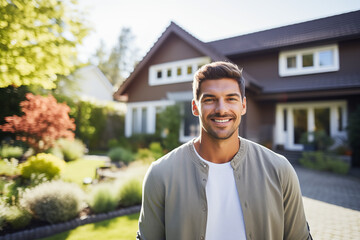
{"x":332,"y":204}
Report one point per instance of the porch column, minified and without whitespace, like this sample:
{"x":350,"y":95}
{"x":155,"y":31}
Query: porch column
{"x":311,"y":122}
{"x":128,"y":121}
{"x":151,"y":119}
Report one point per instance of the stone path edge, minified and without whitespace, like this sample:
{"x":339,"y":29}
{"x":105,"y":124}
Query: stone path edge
{"x":52,"y":229}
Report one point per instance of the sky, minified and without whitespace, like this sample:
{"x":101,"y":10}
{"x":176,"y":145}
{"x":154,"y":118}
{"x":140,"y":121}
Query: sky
{"x":207,"y":20}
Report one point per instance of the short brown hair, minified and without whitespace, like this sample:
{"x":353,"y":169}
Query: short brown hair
{"x":218,"y":70}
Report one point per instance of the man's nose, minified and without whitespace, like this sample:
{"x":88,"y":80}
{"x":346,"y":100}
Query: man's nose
{"x":221,"y":107}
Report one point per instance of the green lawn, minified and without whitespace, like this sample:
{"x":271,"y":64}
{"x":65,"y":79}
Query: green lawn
{"x":120,"y":228}
{"x":76,"y":171}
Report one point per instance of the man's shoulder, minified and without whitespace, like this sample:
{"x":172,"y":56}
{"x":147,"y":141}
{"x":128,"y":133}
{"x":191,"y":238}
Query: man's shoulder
{"x":268,"y":156}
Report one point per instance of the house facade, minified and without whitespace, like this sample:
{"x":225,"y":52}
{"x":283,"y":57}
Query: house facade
{"x":299,"y":78}
{"x":93,"y":84}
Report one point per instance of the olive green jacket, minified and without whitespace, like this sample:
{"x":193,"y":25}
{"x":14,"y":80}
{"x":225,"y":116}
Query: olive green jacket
{"x":174,"y":204}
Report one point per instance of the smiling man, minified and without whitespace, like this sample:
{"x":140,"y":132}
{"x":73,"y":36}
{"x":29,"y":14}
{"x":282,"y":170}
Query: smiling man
{"x":221,"y":186}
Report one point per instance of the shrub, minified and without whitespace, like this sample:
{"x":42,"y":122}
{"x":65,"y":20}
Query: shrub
{"x":43,"y":163}
{"x":120,"y":154}
{"x":54,"y":202}
{"x":56,"y":151}
{"x":320,"y":140}
{"x":113,"y":143}
{"x":156,"y":149}
{"x":43,"y":122}
{"x":154,"y":152}
{"x":7,"y":151}
{"x":72,"y":149}
{"x":130,"y":193}
{"x":323,"y":161}
{"x":145,"y":154}
{"x":17,"y":217}
{"x":168,"y":126}
{"x":102,"y":199}
{"x":9,"y":167}
{"x":10,"y":189}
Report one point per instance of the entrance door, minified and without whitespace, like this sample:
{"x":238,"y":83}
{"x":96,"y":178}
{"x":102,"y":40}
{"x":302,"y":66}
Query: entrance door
{"x":293,"y":120}
{"x":300,"y":117}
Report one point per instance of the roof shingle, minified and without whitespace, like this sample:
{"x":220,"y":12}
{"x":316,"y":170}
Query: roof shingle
{"x":335,"y":27}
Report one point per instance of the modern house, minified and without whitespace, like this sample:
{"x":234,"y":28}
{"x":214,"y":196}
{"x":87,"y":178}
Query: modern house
{"x":299,"y":78}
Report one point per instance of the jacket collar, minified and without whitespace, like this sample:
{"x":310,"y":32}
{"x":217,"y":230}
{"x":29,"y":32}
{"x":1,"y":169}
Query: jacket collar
{"x":235,"y":162}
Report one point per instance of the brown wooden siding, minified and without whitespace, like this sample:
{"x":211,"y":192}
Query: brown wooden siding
{"x":175,"y":49}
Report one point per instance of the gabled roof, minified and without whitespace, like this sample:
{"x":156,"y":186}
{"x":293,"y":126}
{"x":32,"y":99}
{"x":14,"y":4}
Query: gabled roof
{"x":343,"y":26}
{"x":188,"y":38}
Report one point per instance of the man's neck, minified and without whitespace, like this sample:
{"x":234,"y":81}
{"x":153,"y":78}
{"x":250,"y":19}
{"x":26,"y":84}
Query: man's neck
{"x":217,"y":150}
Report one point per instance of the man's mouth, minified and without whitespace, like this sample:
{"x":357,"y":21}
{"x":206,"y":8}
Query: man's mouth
{"x":221,"y":120}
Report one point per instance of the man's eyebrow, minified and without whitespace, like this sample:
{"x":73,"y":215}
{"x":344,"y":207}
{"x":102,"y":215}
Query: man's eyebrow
{"x":233,"y":95}
{"x":208,"y":95}
{"x":205,"y":95}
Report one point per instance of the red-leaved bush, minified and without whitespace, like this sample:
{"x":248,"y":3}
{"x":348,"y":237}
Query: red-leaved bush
{"x":43,"y":122}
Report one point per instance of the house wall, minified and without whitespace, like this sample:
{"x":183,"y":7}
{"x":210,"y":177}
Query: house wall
{"x":174,"y":49}
{"x":93,"y":84}
{"x":259,"y":124}
{"x":264,"y":68}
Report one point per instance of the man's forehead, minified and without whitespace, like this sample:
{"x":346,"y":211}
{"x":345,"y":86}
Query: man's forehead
{"x":225,"y":85}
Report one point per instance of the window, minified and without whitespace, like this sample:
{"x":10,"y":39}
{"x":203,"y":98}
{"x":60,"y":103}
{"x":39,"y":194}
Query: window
{"x":291,"y":62}
{"x":190,"y":126}
{"x":178,"y":71}
{"x":159,"y":74}
{"x":189,"y":69}
{"x":141,"y":116}
{"x":326,"y":58}
{"x":175,"y":72}
{"x":309,"y":61}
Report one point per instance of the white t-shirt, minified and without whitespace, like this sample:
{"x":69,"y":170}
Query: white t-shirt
{"x":225,"y":219}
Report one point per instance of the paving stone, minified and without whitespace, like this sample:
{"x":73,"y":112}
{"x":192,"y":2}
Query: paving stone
{"x":332,"y":204}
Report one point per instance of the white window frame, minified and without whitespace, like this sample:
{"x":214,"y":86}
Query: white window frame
{"x":150,"y":115}
{"x":299,"y":69}
{"x":174,"y":78}
{"x":151,"y":106}
{"x":286,"y":138}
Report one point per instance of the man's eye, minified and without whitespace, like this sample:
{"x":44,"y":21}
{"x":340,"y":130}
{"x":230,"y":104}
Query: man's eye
{"x":232,"y":99}
{"x":208,"y":100}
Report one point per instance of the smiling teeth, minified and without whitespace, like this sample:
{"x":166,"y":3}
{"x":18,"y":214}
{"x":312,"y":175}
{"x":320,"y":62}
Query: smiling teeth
{"x":221,"y":121}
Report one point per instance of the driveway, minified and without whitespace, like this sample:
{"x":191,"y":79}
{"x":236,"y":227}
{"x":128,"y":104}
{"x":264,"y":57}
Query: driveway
{"x":332,"y":204}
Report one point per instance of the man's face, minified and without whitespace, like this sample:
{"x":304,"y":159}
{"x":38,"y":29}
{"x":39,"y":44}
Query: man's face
{"x":219,"y":108}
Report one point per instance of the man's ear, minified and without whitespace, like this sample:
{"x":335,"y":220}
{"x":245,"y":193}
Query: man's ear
{"x":195,"y":109}
{"x":244,"y":106}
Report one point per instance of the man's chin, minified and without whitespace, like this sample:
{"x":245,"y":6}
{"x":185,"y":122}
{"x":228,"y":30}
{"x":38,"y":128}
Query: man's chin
{"x":221,"y":136}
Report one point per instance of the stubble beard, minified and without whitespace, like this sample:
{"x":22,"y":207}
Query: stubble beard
{"x":215,"y":135}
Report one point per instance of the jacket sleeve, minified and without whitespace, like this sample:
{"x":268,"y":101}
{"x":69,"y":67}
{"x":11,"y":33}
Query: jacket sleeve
{"x":152,"y":220}
{"x":295,"y":225}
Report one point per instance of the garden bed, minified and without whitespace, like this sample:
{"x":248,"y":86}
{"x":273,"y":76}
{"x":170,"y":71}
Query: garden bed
{"x":52,"y":229}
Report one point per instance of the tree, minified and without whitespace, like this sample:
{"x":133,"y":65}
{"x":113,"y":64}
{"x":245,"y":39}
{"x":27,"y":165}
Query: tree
{"x":43,"y":122}
{"x":120,"y":62}
{"x":38,"y":41}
